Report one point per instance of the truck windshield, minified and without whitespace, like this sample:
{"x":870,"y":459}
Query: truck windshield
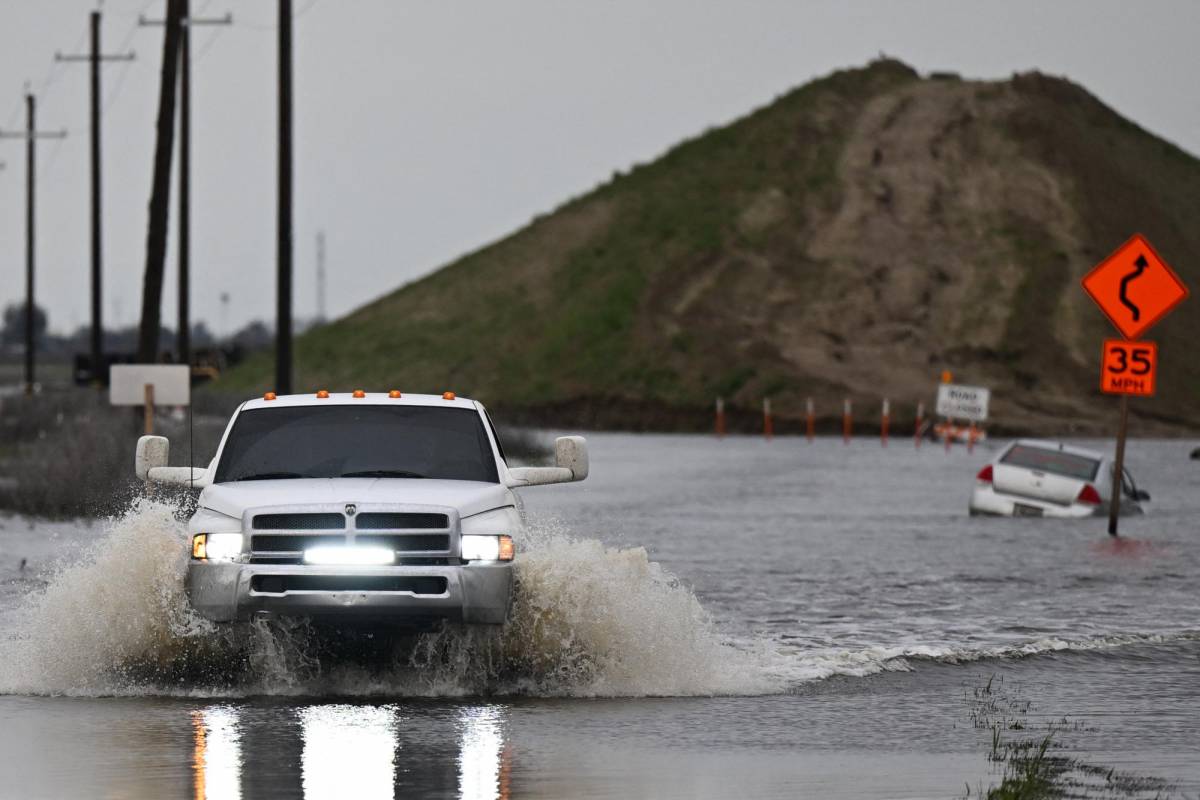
{"x":1056,"y":461}
{"x":367,"y":441}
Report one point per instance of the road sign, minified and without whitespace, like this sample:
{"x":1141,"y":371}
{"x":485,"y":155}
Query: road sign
{"x":963,"y":402}
{"x":171,"y":384}
{"x":1134,"y":287}
{"x":1128,"y":367}
{"x":150,"y":385}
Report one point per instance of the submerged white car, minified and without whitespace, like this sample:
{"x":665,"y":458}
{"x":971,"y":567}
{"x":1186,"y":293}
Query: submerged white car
{"x":1036,"y":478}
{"x":387,"y":507}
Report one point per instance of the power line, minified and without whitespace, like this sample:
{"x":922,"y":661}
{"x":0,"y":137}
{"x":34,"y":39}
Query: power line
{"x":269,"y":27}
{"x":208,"y":44}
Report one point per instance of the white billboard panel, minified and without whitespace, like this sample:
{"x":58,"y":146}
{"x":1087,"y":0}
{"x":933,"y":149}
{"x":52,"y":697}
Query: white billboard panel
{"x":172,"y":384}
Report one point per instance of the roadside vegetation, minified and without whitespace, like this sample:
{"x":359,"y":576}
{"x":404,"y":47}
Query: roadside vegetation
{"x":70,"y":454}
{"x":1033,"y":760}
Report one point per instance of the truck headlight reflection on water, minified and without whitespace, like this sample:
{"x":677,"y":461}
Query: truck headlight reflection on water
{"x":217,"y":757}
{"x":350,"y":556}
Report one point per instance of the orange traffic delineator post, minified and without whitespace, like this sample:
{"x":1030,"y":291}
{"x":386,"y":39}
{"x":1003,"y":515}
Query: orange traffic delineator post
{"x":883,"y":422}
{"x":847,"y":421}
{"x":917,"y":427}
{"x":947,"y":377}
{"x":810,"y":421}
{"x":768,"y":426}
{"x":720,"y":424}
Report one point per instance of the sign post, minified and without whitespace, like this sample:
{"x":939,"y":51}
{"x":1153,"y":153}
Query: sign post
{"x":1134,"y":288}
{"x":1126,"y":368}
{"x":1114,"y":508}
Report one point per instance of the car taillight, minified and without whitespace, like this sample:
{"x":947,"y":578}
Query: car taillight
{"x":985,"y":474}
{"x":1089,"y":495}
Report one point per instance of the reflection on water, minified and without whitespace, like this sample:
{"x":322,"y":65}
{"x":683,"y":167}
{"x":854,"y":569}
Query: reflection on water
{"x":483,"y":759}
{"x":347,"y":750}
{"x":217,"y":756}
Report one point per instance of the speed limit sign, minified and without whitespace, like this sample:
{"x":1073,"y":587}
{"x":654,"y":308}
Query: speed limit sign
{"x":1128,"y":367}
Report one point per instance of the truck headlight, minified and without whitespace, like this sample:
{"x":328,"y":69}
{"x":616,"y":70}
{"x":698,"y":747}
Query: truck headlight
{"x":476,"y":547}
{"x":216,"y":546}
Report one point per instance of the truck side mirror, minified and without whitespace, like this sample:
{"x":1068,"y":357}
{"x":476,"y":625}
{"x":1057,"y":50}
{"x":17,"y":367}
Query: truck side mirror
{"x":571,"y":464}
{"x":152,"y":451}
{"x":150,"y":465}
{"x":571,"y":452}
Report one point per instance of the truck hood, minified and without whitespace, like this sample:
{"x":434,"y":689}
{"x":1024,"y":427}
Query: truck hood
{"x":469,"y":497}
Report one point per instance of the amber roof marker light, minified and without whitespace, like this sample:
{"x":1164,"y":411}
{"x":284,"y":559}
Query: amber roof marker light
{"x":323,"y":395}
{"x":359,"y":394}
{"x":448,"y":395}
{"x":269,"y":396}
{"x":394,"y":394}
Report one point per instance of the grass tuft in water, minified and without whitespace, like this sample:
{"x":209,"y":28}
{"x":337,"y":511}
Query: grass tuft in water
{"x":1033,"y":759}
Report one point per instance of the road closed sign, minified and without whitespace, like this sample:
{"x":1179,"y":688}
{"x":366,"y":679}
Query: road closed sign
{"x":963,"y":402}
{"x":1128,"y":367}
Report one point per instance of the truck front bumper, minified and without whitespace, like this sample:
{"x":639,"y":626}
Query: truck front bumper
{"x":225,"y":591}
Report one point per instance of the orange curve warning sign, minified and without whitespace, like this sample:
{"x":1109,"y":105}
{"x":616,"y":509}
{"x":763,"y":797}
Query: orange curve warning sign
{"x":1128,"y":367}
{"x":1134,"y":287}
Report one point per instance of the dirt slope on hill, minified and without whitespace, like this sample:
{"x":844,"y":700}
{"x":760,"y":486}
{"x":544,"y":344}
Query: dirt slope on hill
{"x":854,"y":238}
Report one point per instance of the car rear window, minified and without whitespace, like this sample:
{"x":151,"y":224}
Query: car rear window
{"x":1056,"y":461}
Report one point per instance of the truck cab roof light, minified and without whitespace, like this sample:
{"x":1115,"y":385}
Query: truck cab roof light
{"x":448,"y":395}
{"x":322,"y":395}
{"x":269,"y":396}
{"x":394,"y":393}
{"x":359,"y":394}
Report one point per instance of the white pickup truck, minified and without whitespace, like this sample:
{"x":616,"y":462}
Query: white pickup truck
{"x":386,"y":507}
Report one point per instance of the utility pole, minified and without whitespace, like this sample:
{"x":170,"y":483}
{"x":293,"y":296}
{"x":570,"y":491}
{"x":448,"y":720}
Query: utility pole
{"x":160,"y":190}
{"x":31,"y":134}
{"x":95,"y":58}
{"x":283,"y":299}
{"x":320,"y":276}
{"x":183,"y":331}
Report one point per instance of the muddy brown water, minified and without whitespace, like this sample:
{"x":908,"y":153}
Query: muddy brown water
{"x":745,"y":619}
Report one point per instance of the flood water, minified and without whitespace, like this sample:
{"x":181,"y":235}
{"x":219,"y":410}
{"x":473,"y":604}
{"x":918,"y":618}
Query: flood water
{"x":700,"y":618}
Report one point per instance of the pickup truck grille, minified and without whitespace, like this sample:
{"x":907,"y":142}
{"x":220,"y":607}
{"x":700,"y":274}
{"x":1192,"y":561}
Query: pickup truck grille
{"x":375,"y":521}
{"x":416,"y":537}
{"x":299,"y":522}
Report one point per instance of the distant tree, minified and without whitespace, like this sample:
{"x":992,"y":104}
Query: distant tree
{"x":13,"y":332}
{"x":202,"y":336}
{"x":255,"y":335}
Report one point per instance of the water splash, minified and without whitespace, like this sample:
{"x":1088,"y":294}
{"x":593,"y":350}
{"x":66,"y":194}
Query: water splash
{"x":104,"y":623}
{"x":587,"y":620}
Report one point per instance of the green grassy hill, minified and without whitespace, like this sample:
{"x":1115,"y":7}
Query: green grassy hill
{"x":853,"y":238}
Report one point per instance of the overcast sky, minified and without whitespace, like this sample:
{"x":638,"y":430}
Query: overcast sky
{"x":426,"y":130}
